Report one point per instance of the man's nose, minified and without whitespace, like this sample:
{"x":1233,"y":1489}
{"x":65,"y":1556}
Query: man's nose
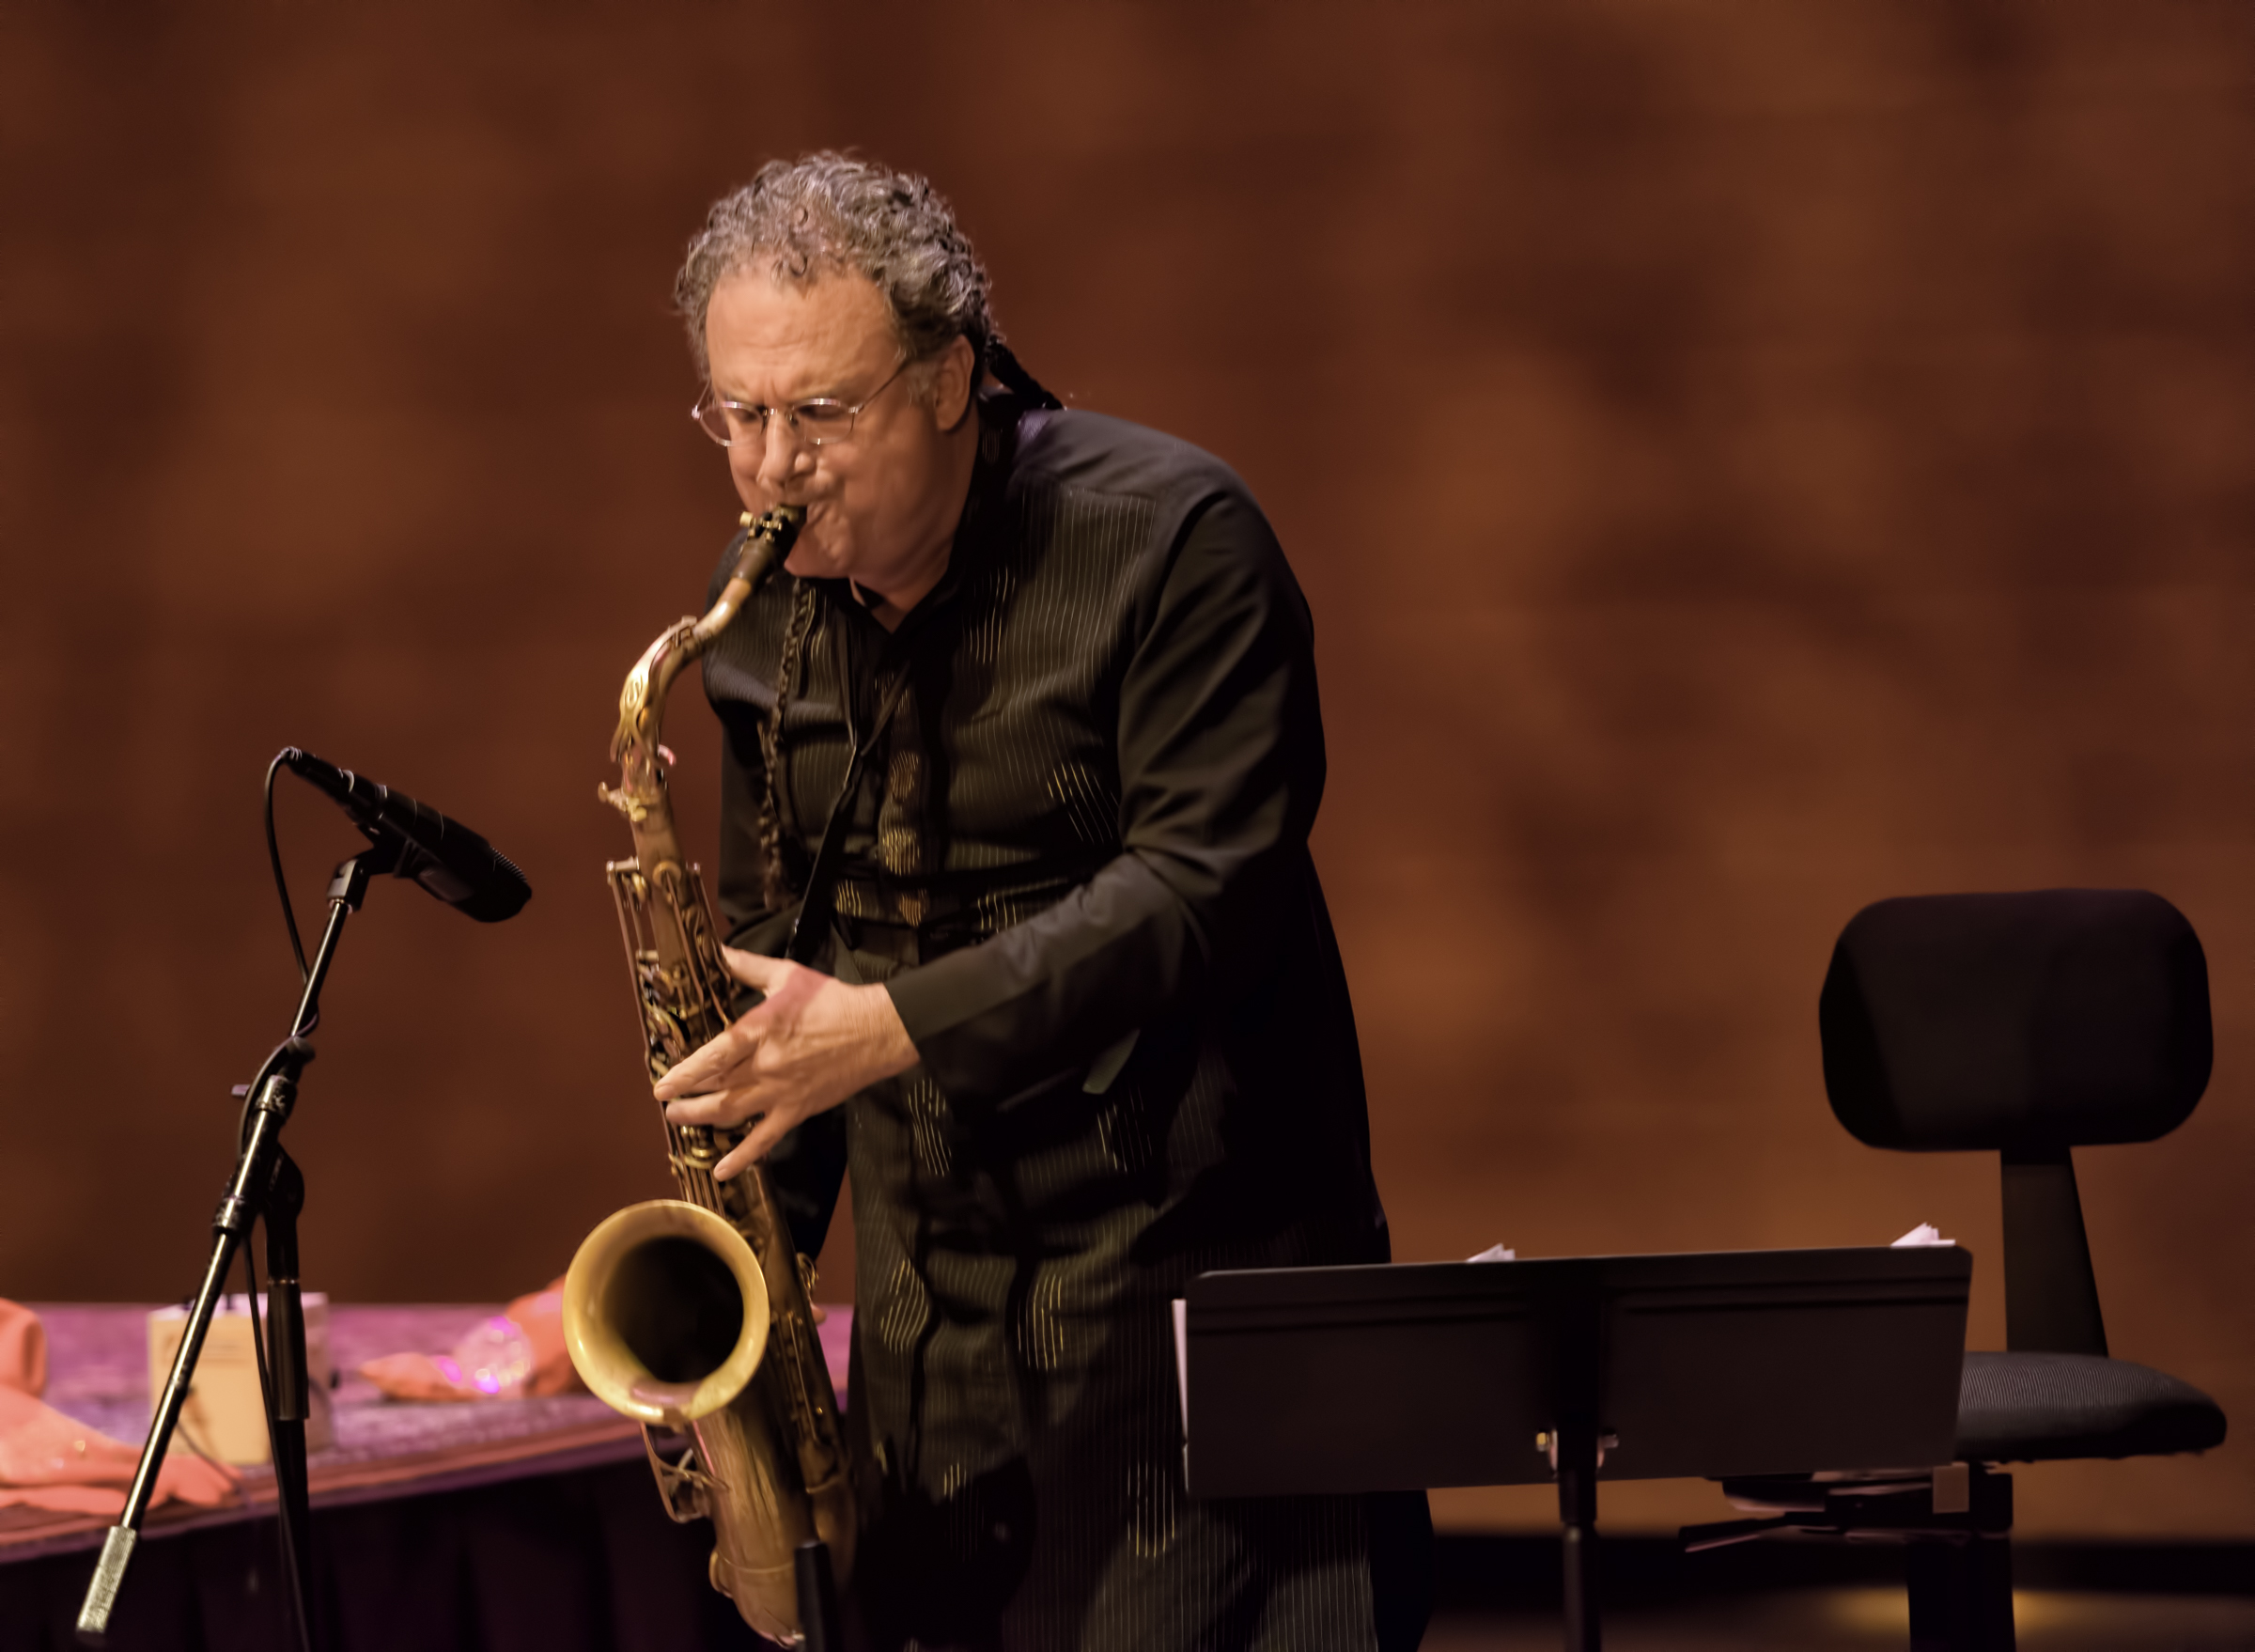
{"x":780,"y":452}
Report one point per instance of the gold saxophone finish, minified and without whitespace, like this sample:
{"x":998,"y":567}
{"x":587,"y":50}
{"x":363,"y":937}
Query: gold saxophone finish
{"x":692,"y":1313}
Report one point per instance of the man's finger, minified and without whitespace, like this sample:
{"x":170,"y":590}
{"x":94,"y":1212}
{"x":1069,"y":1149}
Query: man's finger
{"x":719,"y":1107}
{"x":754,"y":1148}
{"x":752,"y":969}
{"x":704,"y":1067}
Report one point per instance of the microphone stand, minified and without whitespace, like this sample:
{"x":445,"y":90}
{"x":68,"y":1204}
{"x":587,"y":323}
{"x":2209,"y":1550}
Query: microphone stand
{"x":266,"y":1183}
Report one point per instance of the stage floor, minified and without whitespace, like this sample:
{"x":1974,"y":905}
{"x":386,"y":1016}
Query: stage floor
{"x":1868,"y":1619}
{"x":1501,"y":1594}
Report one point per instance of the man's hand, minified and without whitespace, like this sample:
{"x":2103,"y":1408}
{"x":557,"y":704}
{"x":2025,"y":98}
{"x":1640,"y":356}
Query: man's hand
{"x":814,"y":1042}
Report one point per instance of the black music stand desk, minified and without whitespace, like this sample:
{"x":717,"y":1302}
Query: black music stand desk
{"x":1704,"y":1365}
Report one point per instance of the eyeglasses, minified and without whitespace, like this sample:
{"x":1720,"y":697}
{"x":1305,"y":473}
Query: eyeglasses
{"x":814,"y":423}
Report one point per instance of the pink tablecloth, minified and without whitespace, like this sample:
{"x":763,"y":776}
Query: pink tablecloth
{"x":98,"y":1373}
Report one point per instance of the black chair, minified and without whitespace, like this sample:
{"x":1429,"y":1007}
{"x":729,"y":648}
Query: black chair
{"x":2028,"y":1025}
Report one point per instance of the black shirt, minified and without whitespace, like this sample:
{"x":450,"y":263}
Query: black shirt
{"x":1076,"y":855}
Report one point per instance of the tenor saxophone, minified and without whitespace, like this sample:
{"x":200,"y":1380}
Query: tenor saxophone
{"x":691,"y":1314}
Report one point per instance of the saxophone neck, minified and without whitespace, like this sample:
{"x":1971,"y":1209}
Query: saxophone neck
{"x":767,"y":540}
{"x":640,"y":795}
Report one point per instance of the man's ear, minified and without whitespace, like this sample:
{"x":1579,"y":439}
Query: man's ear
{"x":953,"y":377}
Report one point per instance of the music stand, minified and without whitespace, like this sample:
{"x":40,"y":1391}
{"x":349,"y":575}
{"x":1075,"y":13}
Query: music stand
{"x":1704,"y":1365}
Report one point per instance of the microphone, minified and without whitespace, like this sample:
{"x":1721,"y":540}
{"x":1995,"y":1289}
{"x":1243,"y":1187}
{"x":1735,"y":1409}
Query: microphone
{"x":451,"y":861}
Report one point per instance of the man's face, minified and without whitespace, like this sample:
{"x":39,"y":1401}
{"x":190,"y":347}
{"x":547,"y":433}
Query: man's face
{"x":881,"y":499}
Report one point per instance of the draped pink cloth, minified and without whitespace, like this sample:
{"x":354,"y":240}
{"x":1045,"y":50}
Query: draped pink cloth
{"x":49,"y":1460}
{"x":537,"y":1316}
{"x":23,"y":1349}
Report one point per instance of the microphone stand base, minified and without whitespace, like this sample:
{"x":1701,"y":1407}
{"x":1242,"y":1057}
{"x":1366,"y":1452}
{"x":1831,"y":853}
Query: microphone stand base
{"x":101,"y":1594}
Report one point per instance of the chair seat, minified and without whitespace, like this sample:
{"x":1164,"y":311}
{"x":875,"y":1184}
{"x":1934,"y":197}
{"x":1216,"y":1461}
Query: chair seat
{"x":2037,"y":1407}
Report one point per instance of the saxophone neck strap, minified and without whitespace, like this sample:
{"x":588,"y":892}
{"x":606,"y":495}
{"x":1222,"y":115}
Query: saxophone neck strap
{"x":812,"y":926}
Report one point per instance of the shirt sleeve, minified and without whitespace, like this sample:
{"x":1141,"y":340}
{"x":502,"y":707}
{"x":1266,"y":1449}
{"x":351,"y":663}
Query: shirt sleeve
{"x":1221,"y":767}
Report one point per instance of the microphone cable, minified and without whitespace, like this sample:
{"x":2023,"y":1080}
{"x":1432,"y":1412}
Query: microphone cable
{"x":273,"y":853}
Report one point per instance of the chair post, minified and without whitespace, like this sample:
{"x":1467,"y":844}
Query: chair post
{"x":1960,"y":1595}
{"x":2050,"y":1292}
{"x":1578,"y":1459}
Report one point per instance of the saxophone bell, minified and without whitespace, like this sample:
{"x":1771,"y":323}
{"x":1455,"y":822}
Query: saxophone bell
{"x":665,"y":1312}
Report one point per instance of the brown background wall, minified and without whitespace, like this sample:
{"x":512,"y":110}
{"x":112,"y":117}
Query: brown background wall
{"x":1747,"y":457}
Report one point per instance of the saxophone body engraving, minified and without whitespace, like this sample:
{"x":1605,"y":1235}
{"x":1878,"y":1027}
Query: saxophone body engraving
{"x":694,"y":1312}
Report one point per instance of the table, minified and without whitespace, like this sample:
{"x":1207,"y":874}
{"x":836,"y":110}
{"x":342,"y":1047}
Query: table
{"x":494,"y":1525}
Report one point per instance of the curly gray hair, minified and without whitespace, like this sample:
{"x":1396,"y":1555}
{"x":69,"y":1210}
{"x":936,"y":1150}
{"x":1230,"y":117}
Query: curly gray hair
{"x":824,"y":213}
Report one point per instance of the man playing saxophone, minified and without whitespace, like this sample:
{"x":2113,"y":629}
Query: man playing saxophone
{"x":1027,"y":750}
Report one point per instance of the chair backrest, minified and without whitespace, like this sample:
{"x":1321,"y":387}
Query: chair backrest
{"x":2031,"y":1025}
{"x":2028,"y":1023}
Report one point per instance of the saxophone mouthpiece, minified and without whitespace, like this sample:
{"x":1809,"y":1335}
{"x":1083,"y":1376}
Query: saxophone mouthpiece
{"x":768,"y":540}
